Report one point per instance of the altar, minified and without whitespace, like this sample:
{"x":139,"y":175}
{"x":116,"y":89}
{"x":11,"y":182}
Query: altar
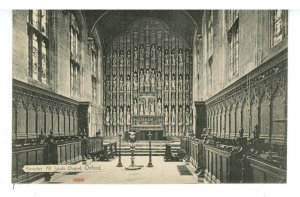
{"x":145,"y":124}
{"x":143,"y":135}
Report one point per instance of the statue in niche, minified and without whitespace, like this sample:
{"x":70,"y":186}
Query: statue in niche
{"x":142,"y":107}
{"x":187,"y":52}
{"x":121,"y":57}
{"x":114,"y":83}
{"x":135,"y":109}
{"x":107,"y":59}
{"x":187,"y":116}
{"x":166,"y":116}
{"x":159,"y":52}
{"x":187,"y":82}
{"x":128,"y":58}
{"x":121,"y":83}
{"x":152,"y":50}
{"x":152,"y":80}
{"x":173,"y":83}
{"x":191,"y":117}
{"x":166,"y":57}
{"x":173,"y":56}
{"x":128,"y":83}
{"x":107,"y":83}
{"x":166,"y":82}
{"x":135,"y":81}
{"x":135,"y":53}
{"x":180,"y":57}
{"x":146,"y":108}
{"x":121,"y":116}
{"x":173,"y":116}
{"x":107,"y":116}
{"x":180,"y":115}
{"x":115,"y":60}
{"x":147,"y":77}
{"x":114,"y":116}
{"x":152,"y":108}
{"x":180,"y":83}
{"x":128,"y":116}
{"x":158,"y":107}
{"x":142,"y":78}
{"x":158,"y":80}
{"x":147,"y":50}
{"x":141,"y":51}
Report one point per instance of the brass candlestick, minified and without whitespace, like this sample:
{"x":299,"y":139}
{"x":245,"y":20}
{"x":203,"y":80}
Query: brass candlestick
{"x":150,"y":152}
{"x":120,"y":162}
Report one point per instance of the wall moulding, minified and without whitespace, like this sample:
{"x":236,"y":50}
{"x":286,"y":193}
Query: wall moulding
{"x":31,"y":93}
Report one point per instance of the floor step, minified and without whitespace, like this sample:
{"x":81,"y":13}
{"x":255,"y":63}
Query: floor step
{"x":158,"y":148}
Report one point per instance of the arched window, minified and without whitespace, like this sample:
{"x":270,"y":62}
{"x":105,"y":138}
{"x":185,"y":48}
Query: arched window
{"x":94,"y":66}
{"x":210,"y":50}
{"x":38,"y":45}
{"x":74,"y":56}
{"x":279,"y":26}
{"x":233,"y":40}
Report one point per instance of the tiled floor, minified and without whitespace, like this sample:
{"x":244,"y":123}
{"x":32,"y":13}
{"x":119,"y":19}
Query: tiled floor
{"x":162,"y":172}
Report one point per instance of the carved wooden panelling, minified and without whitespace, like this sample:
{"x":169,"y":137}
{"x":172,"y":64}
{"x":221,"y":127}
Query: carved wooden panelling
{"x":148,"y":72}
{"x":31,"y":123}
{"x":260,"y":98}
{"x":40,"y":120}
{"x":245,"y":123}
{"x":254,"y":117}
{"x":71,"y":124}
{"x":55,"y":123}
{"x":61,"y":124}
{"x":228,"y":123}
{"x":21,"y":122}
{"x":279,"y":113}
{"x":265,"y":118}
{"x":67,"y":131}
{"x":37,"y":111}
{"x":238,"y":119}
{"x":48,"y":121}
{"x":14,"y":121}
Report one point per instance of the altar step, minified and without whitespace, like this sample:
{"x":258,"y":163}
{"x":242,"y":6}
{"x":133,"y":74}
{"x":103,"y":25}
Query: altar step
{"x":158,"y":148}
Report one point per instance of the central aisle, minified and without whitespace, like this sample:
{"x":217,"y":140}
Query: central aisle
{"x":162,"y":172}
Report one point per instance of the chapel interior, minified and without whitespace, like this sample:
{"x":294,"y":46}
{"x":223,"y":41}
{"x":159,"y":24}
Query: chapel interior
{"x":203,"y":91}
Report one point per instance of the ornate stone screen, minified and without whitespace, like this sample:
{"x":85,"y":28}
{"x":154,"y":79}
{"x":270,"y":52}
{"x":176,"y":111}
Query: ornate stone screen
{"x":148,"y":73}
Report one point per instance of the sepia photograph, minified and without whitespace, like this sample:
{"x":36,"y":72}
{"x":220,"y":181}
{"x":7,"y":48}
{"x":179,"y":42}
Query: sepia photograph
{"x":149,"y":96}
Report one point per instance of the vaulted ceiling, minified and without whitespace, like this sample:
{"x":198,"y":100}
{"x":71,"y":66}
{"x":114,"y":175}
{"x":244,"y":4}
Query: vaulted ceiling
{"x":111,"y":23}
